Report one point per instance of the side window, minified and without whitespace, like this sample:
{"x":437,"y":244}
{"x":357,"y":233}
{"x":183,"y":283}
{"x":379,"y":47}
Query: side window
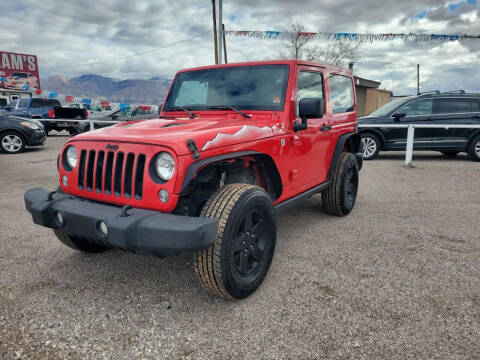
{"x":341,"y":89}
{"x":310,"y":85}
{"x":23,"y":103}
{"x":476,"y":105}
{"x":417,"y":108}
{"x":453,"y":105}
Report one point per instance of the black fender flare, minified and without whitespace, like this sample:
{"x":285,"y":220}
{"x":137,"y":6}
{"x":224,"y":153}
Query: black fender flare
{"x":354,"y":141}
{"x":267,"y":162}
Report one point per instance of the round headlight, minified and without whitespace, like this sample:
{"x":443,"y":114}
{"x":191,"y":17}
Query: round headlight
{"x":71,"y":155}
{"x":165,"y":166}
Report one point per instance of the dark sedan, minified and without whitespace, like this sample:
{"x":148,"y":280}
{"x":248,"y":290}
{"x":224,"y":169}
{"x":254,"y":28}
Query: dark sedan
{"x":118,"y":116}
{"x":16,"y":133}
{"x":454,"y":108}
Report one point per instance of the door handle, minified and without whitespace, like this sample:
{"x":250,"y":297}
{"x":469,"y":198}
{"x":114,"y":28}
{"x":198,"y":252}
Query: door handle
{"x":325,"y":127}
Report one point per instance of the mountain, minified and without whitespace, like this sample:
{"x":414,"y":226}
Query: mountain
{"x":132,"y":91}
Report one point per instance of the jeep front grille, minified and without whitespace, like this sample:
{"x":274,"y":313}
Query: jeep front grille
{"x":111,"y":172}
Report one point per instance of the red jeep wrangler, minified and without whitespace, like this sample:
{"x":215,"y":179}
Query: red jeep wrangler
{"x":234,"y":145}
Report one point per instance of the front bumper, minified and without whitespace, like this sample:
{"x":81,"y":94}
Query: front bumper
{"x":136,"y":230}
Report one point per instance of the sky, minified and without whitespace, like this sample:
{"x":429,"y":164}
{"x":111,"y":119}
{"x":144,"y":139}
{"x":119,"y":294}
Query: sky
{"x":141,"y":39}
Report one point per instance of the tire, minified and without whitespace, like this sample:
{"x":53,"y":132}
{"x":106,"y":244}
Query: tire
{"x":237,"y":263}
{"x":340,"y":197}
{"x":474,"y":149}
{"x":450,"y":153}
{"x":12,"y":142}
{"x":72,"y":131}
{"x":371,"y":145}
{"x":76,"y":242}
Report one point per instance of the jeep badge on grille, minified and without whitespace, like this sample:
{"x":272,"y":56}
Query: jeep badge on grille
{"x":112,"y":147}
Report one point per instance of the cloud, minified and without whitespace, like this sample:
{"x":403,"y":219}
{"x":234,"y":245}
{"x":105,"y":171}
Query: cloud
{"x":65,"y":35}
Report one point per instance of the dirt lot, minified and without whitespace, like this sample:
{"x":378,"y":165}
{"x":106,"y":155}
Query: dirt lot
{"x":398,"y":278}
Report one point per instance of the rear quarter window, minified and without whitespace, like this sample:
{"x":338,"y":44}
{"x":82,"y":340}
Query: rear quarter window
{"x":341,"y":94}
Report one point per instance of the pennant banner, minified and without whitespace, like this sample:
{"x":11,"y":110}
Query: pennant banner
{"x":278,"y":35}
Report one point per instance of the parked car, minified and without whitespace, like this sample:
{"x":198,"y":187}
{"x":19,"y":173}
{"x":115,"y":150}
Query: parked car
{"x":451,"y":108}
{"x":231,"y":149}
{"x":40,"y":109}
{"x":118,"y":116}
{"x":16,"y":133}
{"x":93,"y":110}
{"x":7,"y":96}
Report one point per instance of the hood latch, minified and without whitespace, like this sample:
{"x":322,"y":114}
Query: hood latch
{"x":193,"y":148}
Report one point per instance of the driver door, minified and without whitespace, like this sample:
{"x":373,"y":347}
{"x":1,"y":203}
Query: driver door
{"x":416,"y":112}
{"x":309,"y":147}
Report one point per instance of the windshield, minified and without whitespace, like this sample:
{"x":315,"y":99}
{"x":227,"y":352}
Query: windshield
{"x":388,"y":107}
{"x":260,"y":87}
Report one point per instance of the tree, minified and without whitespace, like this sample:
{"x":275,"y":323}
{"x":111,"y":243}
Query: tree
{"x":333,"y":52}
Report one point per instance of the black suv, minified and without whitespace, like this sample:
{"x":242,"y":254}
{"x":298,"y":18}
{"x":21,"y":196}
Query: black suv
{"x":452,"y":108}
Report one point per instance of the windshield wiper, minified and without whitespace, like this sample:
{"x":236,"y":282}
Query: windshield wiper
{"x":192,"y":115}
{"x":223,"y":107}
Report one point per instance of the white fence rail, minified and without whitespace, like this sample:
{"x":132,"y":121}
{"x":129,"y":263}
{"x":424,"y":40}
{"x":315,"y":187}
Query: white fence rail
{"x":411,"y":133}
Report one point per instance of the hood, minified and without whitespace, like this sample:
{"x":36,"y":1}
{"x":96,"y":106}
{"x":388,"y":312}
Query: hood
{"x":207,"y":132}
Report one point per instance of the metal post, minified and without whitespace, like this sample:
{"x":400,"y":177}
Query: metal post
{"x":220,"y":35}
{"x":215,"y":37}
{"x":91,"y":126}
{"x":418,"y":79}
{"x":410,"y":135}
{"x":224,"y":44}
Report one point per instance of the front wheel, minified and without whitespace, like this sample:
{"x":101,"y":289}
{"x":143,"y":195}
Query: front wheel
{"x":237,"y":263}
{"x":12,"y":142}
{"x":340,"y":197}
{"x":371,"y":146}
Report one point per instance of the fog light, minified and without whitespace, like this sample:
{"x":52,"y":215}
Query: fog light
{"x":163,"y":195}
{"x":103,"y":228}
{"x":64,"y":180}
{"x":59,"y":217}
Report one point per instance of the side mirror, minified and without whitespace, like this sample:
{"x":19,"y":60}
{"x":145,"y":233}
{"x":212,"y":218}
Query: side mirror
{"x":398,"y":116}
{"x":308,"y":108}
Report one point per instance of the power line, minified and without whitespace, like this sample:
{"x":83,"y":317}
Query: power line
{"x":134,"y":55}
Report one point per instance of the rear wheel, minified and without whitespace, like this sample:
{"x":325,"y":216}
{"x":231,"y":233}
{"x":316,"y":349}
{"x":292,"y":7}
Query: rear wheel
{"x":340,"y":197}
{"x":450,"y":153}
{"x":11,"y":142}
{"x":371,"y":146}
{"x":236,"y":264}
{"x":77,"y":242}
{"x":474,"y":149}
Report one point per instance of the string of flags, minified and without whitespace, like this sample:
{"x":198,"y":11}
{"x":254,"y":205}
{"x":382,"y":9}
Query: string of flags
{"x":285,"y":35}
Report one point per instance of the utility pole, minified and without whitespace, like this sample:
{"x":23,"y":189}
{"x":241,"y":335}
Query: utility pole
{"x":418,"y":79}
{"x":215,"y":31}
{"x":220,"y":37}
{"x":224,"y":44}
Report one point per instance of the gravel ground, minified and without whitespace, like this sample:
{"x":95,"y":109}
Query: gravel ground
{"x":398,"y":278}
